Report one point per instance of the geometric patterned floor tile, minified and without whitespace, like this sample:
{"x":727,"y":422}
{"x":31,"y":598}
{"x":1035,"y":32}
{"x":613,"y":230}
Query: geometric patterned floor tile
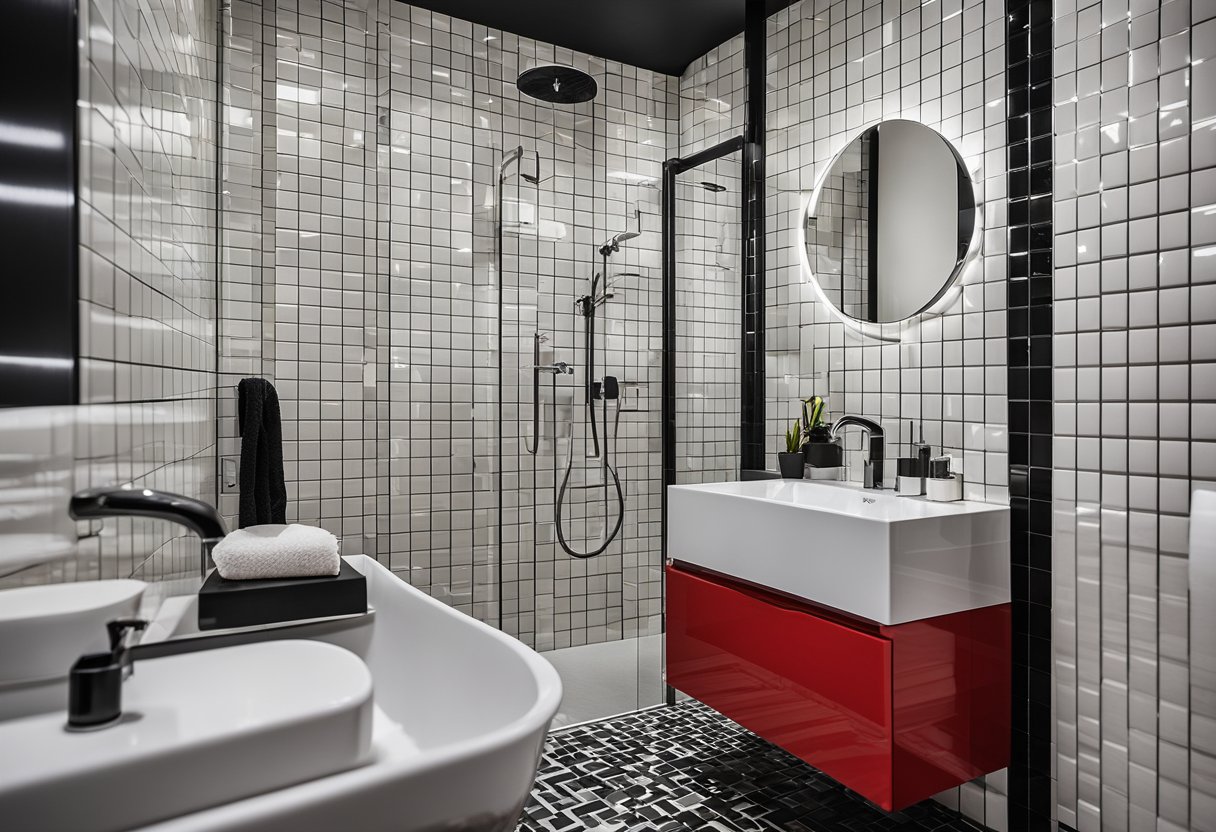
{"x":687,"y":767}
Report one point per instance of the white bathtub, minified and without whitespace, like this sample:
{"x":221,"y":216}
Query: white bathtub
{"x":462,"y":711}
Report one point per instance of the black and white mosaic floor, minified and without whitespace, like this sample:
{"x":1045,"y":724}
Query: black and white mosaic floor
{"x":690,"y":768}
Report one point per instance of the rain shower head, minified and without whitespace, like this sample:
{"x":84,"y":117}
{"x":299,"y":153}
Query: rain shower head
{"x":557,"y":84}
{"x":712,"y":187}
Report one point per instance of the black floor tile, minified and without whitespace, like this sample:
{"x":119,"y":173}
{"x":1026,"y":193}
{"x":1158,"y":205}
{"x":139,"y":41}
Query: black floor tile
{"x":688,"y":767}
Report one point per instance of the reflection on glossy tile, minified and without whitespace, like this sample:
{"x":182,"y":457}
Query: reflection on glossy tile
{"x":1130,"y":683}
{"x":148,"y":144}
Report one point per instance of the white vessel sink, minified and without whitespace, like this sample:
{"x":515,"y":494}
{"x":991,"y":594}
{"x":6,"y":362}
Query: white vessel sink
{"x":462,"y":710}
{"x":44,"y":629}
{"x":457,"y":725}
{"x":869,"y":553}
{"x":198,"y":730}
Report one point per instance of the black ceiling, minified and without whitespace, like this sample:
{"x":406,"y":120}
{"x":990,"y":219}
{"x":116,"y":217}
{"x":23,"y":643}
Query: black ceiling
{"x":663,"y":35}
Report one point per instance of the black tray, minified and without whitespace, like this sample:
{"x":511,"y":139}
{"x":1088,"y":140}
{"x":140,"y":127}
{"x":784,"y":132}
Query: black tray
{"x":224,"y":604}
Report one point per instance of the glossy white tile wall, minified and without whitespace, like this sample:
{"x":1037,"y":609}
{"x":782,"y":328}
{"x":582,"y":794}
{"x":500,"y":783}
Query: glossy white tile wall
{"x":836,"y":68}
{"x":709,"y":271}
{"x":1135,"y":393}
{"x":147,"y":132}
{"x":454,"y":82}
{"x":302,"y":296}
{"x":363,"y":283}
{"x":708,"y":322}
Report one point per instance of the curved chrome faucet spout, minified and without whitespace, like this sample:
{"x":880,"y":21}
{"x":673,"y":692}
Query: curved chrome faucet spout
{"x":873,"y":473}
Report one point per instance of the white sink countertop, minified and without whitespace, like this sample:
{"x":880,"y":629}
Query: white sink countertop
{"x":870,"y":553}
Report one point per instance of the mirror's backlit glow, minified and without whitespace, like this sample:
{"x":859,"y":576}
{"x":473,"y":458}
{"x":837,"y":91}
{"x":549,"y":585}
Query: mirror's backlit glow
{"x":891,"y":224}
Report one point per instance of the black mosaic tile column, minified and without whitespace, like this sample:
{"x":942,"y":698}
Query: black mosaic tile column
{"x":752,"y":364}
{"x":1029,"y":74}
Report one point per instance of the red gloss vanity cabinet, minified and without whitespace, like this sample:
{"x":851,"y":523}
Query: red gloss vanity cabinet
{"x":896,"y":713}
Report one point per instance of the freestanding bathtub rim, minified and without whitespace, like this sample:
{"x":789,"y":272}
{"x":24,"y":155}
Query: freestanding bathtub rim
{"x":373,"y":793}
{"x":548,"y":682}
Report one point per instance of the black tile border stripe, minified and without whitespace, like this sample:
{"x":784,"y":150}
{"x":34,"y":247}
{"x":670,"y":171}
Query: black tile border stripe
{"x":752,"y":296}
{"x":1028,"y":54}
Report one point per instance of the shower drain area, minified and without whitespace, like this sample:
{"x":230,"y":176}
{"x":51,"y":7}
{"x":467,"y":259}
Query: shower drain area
{"x":687,"y":767}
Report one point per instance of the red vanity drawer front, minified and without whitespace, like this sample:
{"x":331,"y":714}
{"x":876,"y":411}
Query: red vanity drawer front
{"x":951,"y":700}
{"x":818,"y":689}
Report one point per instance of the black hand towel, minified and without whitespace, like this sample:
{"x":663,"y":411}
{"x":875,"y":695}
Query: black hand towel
{"x":263,"y":492}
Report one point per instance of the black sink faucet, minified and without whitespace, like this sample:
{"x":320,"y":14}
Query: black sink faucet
{"x":130,"y":501}
{"x":95,"y":681}
{"x":873,"y":475}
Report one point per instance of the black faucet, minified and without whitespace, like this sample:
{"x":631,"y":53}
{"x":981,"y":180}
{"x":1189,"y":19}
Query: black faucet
{"x":873,"y":474}
{"x":129,"y":501}
{"x":95,"y":681}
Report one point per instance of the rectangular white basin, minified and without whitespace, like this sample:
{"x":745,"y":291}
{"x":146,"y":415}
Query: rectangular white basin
{"x":869,"y":553}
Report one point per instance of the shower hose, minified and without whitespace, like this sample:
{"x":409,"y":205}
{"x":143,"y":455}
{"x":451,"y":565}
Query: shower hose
{"x":608,"y":471}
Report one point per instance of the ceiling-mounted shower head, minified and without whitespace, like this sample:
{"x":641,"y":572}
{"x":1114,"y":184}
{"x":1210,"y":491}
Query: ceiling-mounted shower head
{"x":557,"y":84}
{"x":712,"y":187}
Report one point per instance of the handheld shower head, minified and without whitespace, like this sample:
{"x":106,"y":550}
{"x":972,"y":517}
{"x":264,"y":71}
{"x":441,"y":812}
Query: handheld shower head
{"x":614,"y":245}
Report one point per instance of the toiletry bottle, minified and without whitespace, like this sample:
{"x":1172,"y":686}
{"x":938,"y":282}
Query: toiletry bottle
{"x":943,"y":486}
{"x":923,"y":454}
{"x":910,"y":471}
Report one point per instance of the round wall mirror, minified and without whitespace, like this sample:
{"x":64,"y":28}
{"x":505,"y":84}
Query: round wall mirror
{"x":890,"y":224}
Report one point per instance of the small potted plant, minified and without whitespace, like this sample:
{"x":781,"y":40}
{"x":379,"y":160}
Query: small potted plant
{"x":792,"y":460}
{"x":819,"y":448}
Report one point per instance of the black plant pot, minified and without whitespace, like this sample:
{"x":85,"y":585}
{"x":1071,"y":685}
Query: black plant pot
{"x":791,"y":465}
{"x":823,"y":454}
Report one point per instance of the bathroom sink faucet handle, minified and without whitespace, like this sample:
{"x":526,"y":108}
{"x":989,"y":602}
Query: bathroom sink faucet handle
{"x":121,"y":628}
{"x":95,"y":681}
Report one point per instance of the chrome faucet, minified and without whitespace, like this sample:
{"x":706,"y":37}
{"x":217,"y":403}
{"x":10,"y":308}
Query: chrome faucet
{"x":873,"y":474}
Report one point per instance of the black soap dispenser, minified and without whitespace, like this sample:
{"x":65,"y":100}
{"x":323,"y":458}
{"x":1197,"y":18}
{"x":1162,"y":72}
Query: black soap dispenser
{"x":911,"y":471}
{"x":923,"y":454}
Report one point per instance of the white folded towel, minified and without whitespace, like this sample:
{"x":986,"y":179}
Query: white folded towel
{"x":274,"y":550}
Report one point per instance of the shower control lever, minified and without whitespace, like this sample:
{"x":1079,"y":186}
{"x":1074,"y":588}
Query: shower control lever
{"x":557,"y":369}
{"x":611,"y":389}
{"x":585,"y":306}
